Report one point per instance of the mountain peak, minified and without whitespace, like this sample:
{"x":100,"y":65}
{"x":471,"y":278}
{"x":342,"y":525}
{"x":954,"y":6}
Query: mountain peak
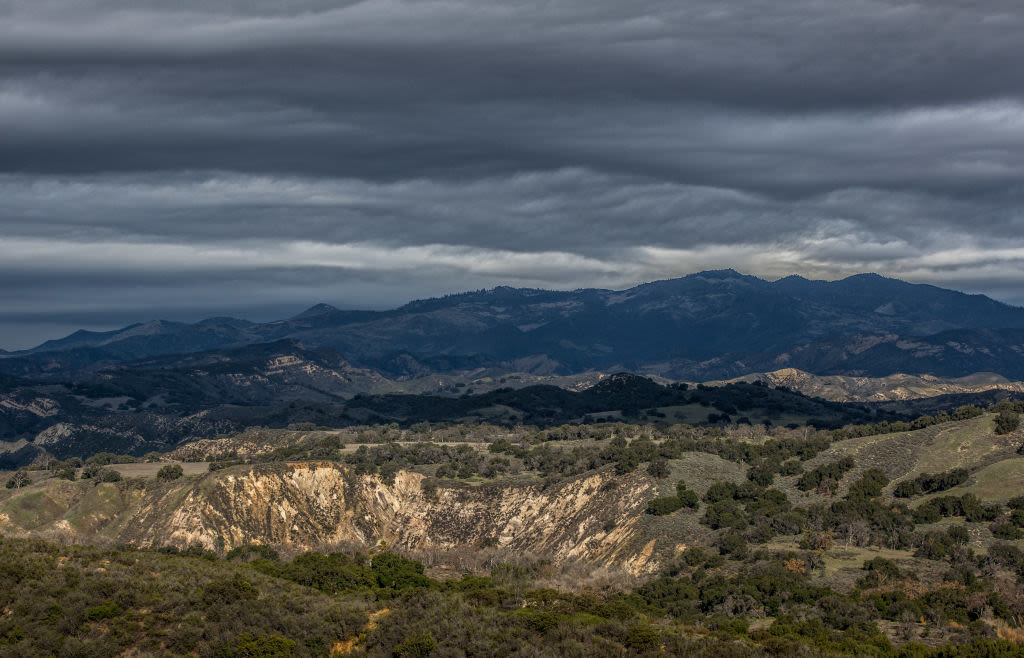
{"x":869,"y":276}
{"x":727,"y":273}
{"x":316,"y":311}
{"x":727,"y":276}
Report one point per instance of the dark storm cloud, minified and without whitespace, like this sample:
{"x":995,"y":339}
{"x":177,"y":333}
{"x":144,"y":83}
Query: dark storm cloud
{"x":790,"y":54}
{"x":233,"y":156}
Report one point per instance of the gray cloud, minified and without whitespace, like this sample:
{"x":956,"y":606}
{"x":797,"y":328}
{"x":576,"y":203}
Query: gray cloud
{"x":253,"y":157}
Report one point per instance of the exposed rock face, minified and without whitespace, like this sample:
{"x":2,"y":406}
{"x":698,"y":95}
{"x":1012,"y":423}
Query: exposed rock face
{"x":310,"y":505}
{"x":306,"y":505}
{"x":39,"y":406}
{"x":53,"y":434}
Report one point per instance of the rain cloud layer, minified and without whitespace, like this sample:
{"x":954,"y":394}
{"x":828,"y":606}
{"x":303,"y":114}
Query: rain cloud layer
{"x":187,"y":159}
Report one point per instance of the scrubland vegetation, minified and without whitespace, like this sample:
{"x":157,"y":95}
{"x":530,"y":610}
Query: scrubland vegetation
{"x":85,"y":601}
{"x":841,"y":541}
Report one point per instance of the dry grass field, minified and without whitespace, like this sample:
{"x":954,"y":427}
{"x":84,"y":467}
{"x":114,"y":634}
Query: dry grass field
{"x":143,"y":470}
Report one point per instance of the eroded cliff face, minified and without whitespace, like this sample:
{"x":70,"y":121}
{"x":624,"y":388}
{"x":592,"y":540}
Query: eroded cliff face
{"x":307,"y":505}
{"x":596,"y":518}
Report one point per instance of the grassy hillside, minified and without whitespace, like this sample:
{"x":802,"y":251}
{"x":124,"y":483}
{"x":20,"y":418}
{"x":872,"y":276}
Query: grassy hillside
{"x":970,"y":444}
{"x":999,"y":481}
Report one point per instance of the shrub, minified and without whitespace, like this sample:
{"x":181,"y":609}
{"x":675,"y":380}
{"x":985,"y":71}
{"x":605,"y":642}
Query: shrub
{"x":658,"y":468}
{"x":762,"y":475}
{"x":668,"y":504}
{"x":103,"y":611}
{"x":733,"y":545}
{"x":541,"y":621}
{"x":968,"y":506}
{"x":642,"y":637}
{"x":395,"y":572}
{"x":416,"y":646}
{"x":108,"y":475}
{"x":817,"y":541}
{"x":1004,"y":530}
{"x":879,"y":570}
{"x":228,"y":590}
{"x":1007,"y":555}
{"x":108,"y":458}
{"x":663,"y":506}
{"x":791,"y":467}
{"x":18,"y":480}
{"x":1007,"y":422}
{"x":688,"y":498}
{"x":65,"y":473}
{"x":826,"y":475}
{"x":958,"y":535}
{"x":725,"y":514}
{"x":869,"y":485}
{"x":261,"y":646}
{"x":170,"y":472}
{"x":720,"y":491}
{"x":90,"y":471}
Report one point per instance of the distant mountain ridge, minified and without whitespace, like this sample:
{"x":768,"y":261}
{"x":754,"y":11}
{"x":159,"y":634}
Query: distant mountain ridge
{"x":715,"y":324}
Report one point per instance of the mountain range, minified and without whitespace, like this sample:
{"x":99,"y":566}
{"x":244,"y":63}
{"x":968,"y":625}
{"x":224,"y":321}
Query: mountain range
{"x":715,"y":324}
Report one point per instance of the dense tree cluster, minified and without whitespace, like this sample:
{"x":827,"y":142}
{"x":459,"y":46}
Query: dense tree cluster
{"x":969,"y":506}
{"x":1007,"y":416}
{"x":666,"y":505}
{"x":760,"y":512}
{"x":634,"y":398}
{"x":253,"y":603}
{"x":85,"y":601}
{"x":921,"y":422}
{"x":108,"y":458}
{"x":930,"y":483}
{"x":825,"y":477}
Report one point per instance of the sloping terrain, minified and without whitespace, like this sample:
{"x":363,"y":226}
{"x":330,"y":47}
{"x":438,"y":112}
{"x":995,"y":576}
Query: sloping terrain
{"x":713,"y":532}
{"x":597,"y":516}
{"x":897,"y":387}
{"x":135,"y":412}
{"x":969,"y":444}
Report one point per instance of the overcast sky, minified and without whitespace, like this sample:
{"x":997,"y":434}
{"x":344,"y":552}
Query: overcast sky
{"x":194,"y":158}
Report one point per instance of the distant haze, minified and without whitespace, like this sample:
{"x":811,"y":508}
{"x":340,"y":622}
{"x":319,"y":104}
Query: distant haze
{"x":190,"y":159}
